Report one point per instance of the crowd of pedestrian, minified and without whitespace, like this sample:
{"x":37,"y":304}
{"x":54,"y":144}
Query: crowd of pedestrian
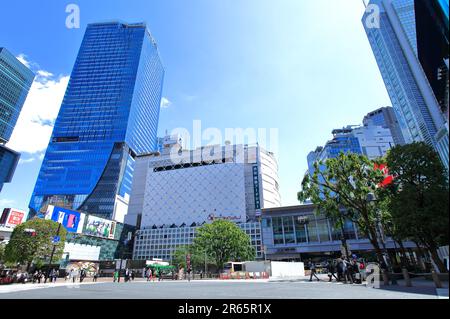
{"x":343,"y":269}
{"x":129,"y":275}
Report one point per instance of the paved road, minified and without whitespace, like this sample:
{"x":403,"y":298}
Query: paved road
{"x":212,"y":290}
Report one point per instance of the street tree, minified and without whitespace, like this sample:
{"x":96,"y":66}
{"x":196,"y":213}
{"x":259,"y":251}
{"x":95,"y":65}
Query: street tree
{"x":340,"y":188}
{"x":418,"y":197}
{"x":198,"y":258}
{"x":224,"y":241}
{"x":32,"y":241}
{"x":2,"y":252}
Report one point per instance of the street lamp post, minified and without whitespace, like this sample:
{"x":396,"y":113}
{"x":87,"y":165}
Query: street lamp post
{"x":53,"y":252}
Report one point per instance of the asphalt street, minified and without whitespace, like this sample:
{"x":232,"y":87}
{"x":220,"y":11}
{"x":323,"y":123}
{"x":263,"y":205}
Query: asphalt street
{"x":213,"y":290}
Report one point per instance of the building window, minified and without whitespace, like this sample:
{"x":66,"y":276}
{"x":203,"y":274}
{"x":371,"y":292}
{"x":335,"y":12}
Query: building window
{"x":300,"y":231}
{"x":322,"y":230}
{"x":289,"y":234}
{"x":312,"y":230}
{"x":278,"y":231}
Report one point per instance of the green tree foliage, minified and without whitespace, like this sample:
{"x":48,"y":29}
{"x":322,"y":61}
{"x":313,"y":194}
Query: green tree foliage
{"x":2,"y":252}
{"x":25,"y":248}
{"x":197,"y":257}
{"x":418,"y":197}
{"x":224,"y":241}
{"x":340,"y":188}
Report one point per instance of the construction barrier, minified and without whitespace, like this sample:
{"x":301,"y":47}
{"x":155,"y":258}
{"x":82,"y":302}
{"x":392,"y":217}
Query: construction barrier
{"x":244,"y":275}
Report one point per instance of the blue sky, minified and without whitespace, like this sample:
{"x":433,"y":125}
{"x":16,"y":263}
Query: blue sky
{"x":302,"y":66}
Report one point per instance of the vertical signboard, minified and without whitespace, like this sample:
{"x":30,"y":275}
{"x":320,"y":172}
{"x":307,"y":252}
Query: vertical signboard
{"x":256,"y":187}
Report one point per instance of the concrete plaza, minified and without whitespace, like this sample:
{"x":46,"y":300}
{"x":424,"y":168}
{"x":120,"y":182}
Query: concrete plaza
{"x":219,"y":289}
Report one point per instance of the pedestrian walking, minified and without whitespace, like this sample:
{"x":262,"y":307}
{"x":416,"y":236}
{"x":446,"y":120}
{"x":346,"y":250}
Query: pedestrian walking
{"x":95,"y":276}
{"x":74,"y":275}
{"x":341,"y":270}
{"x":39,"y":277}
{"x":331,"y":270}
{"x":116,"y":276}
{"x":189,"y":274}
{"x":127,"y":275}
{"x":149,"y":275}
{"x":52,"y":275}
{"x":348,"y":273}
{"x":362,"y":270}
{"x":312,"y":268}
{"x":132,"y":275}
{"x":81,"y":275}
{"x":70,"y":275}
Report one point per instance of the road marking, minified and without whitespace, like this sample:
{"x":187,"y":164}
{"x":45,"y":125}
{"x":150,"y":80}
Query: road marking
{"x":24,"y":287}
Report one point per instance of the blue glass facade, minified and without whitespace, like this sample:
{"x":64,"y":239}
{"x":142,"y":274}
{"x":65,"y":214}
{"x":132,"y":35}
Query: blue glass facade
{"x":15,"y":82}
{"x":8,"y":163}
{"x":343,"y":142}
{"x":394,"y":45}
{"x":109,"y":115}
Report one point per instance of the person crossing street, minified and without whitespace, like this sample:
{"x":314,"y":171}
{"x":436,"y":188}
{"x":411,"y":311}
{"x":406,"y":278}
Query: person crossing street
{"x":312,"y":268}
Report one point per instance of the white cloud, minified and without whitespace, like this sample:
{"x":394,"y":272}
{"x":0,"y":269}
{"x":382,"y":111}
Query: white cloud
{"x":22,"y":58}
{"x":165,"y":103}
{"x":28,"y":160}
{"x":35,"y":123}
{"x":6,"y":202}
{"x":44,"y":74}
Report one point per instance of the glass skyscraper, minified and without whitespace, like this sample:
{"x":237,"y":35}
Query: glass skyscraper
{"x":394,"y":44}
{"x":109,"y":115}
{"x":386,"y":117}
{"x":15,"y":82}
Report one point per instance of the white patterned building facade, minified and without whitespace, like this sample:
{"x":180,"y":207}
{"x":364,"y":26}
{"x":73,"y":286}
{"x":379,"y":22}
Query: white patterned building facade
{"x":177,"y":190}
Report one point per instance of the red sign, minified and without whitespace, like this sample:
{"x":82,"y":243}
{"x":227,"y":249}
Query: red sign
{"x":16,"y":218}
{"x":388,"y":179}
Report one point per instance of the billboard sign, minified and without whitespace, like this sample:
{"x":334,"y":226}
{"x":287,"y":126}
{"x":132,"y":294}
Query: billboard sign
{"x":12,"y":217}
{"x":100,"y":227}
{"x":71,"y":220}
{"x":388,"y":179}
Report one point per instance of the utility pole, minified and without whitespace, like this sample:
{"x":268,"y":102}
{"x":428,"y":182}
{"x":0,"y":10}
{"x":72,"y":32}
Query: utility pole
{"x":206,"y":266}
{"x":55,"y":240}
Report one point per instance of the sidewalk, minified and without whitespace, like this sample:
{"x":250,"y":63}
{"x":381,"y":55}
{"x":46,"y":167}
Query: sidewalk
{"x":419,"y":285}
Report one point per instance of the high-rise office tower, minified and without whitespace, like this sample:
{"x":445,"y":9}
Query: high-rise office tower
{"x":386,"y":117}
{"x":373,"y":139}
{"x":108,"y":116}
{"x":15,"y":82}
{"x":432,"y":18}
{"x":395,"y":46}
